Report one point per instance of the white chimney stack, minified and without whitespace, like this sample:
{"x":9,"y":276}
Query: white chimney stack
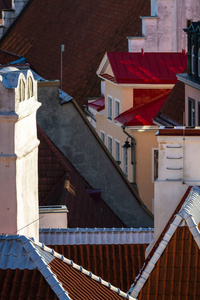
{"x":19,"y":213}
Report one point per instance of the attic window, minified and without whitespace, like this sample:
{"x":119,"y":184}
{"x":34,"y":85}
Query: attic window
{"x":21,"y":90}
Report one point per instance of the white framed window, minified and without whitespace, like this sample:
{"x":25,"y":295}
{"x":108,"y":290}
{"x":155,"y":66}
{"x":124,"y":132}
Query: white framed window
{"x":110,"y":144}
{"x":117,"y":108}
{"x":125,"y":161}
{"x":102,"y":136}
{"x":109,"y":107}
{"x":191,"y":112}
{"x":192,"y":60}
{"x":117,"y":151}
{"x":155,"y":154}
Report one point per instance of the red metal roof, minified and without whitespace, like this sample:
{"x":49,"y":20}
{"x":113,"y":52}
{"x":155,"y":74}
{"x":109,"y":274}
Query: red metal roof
{"x":146,"y":68}
{"x":98,"y":104}
{"x":142,"y":115}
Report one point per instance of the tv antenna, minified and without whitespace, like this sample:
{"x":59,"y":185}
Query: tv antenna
{"x":61,"y":79}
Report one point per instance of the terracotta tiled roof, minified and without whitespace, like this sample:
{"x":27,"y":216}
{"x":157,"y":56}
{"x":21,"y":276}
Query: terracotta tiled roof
{"x":173,"y":271}
{"x":79,"y":285}
{"x":87,"y":30}
{"x":176,"y":275}
{"x":117,"y":264}
{"x":171,"y":113}
{"x":8,"y":57}
{"x":30,"y":270}
{"x":61,"y":183}
{"x":145,"y":67}
{"x":24,"y":284}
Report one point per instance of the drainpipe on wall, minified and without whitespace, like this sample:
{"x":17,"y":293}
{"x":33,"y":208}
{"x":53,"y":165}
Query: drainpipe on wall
{"x":133,"y":162}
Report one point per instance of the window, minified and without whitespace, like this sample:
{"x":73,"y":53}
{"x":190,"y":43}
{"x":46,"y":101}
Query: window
{"x":199,"y":62}
{"x":110,"y":144}
{"x":155,"y":164}
{"x":21,"y":90}
{"x":125,"y":161}
{"x":191,"y":112}
{"x":192,"y":60}
{"x":117,"y":152}
{"x":30,"y":87}
{"x":117,"y":108}
{"x":102,"y":136}
{"x":198,"y":113}
{"x":109,"y":108}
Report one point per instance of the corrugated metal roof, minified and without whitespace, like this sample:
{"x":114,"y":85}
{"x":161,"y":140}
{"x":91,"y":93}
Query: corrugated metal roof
{"x":146,"y":68}
{"x":96,"y":236}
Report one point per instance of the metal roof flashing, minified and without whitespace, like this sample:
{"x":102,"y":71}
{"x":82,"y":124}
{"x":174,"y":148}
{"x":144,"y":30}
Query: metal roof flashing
{"x":53,"y":209}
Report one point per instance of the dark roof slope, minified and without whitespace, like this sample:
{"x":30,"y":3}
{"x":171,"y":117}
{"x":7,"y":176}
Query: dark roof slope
{"x":61,"y":183}
{"x":87,"y":28}
{"x":171,"y":112}
{"x":24,"y":284}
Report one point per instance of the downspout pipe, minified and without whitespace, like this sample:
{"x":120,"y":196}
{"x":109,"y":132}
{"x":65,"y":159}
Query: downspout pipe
{"x":133,"y":162}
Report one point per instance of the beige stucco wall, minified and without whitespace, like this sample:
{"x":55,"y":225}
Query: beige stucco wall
{"x":194,"y":94}
{"x":145,"y":142}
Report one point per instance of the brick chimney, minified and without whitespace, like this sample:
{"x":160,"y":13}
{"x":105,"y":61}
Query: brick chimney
{"x":19,"y":211}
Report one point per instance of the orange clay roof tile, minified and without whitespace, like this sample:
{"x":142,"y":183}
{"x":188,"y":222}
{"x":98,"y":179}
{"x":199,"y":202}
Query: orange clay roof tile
{"x":117,"y":264}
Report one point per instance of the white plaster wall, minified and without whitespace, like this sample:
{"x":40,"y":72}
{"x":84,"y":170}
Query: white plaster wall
{"x":165,"y":33}
{"x":53,"y":220}
{"x":19,"y":162}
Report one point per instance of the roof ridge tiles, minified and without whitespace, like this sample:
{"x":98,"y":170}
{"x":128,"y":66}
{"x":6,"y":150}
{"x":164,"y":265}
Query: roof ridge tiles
{"x":184,"y":213}
{"x":39,"y":253}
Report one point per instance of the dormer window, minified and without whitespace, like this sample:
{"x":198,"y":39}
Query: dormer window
{"x":21,"y":90}
{"x":192,"y":60}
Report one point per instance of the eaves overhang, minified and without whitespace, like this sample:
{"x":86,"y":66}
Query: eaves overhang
{"x":185,"y":78}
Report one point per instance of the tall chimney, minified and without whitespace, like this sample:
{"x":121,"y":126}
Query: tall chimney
{"x":19,"y":211}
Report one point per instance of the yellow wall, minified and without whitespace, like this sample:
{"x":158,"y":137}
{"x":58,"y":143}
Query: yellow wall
{"x":145,"y":141}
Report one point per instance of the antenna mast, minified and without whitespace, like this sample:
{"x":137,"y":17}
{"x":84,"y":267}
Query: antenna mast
{"x":62,"y":50}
